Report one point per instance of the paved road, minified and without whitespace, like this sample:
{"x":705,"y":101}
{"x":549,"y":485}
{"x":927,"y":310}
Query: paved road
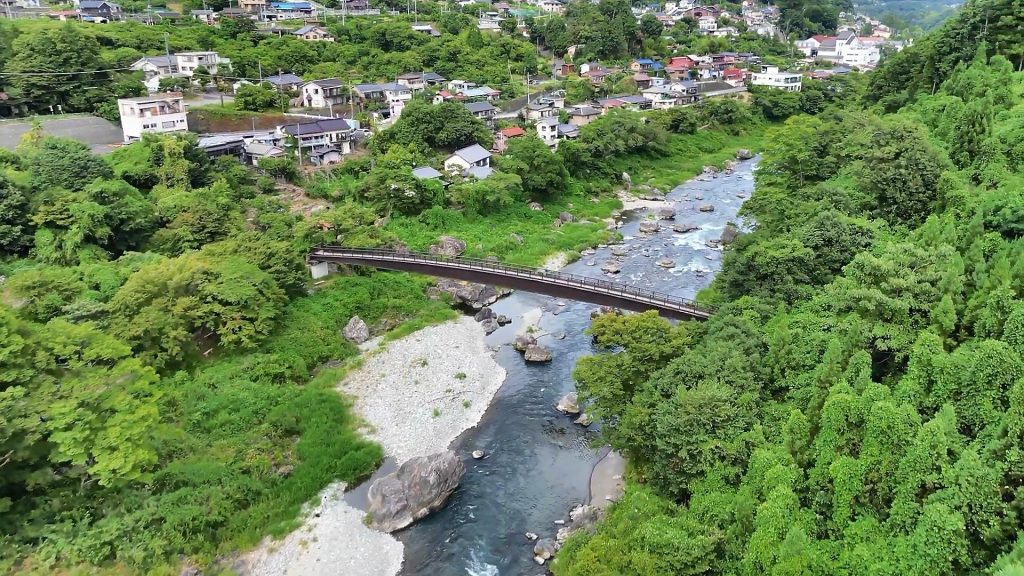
{"x":101,"y":135}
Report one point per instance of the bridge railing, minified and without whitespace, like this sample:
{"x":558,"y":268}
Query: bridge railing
{"x":616,"y":288}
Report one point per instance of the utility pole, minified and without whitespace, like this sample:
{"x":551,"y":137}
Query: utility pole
{"x":167,"y":51}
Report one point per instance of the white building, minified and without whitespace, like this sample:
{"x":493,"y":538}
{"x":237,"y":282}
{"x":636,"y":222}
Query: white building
{"x":707,"y":24}
{"x":846,"y":48}
{"x":771,"y":77}
{"x":156,"y":113}
{"x":471,"y":160}
{"x":180,"y":65}
{"x":324,"y":93}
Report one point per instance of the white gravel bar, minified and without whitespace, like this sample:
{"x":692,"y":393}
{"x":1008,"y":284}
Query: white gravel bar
{"x":333,"y":541}
{"x":415,"y":395}
{"x":419,"y":393}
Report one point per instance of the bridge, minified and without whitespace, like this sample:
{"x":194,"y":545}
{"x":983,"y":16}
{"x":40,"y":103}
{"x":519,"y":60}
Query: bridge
{"x":557,"y":284}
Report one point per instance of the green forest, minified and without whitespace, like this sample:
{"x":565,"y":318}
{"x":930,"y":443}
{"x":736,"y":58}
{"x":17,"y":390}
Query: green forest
{"x":856,"y":404}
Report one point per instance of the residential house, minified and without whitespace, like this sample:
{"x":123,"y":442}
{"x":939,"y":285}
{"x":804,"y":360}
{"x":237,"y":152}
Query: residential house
{"x":483,"y":111}
{"x":285,"y":82}
{"x":646,"y":65}
{"x":552,"y":6}
{"x":642,"y":80}
{"x":845,"y":48}
{"x":535,"y":111}
{"x":698,"y":12}
{"x":234,"y":12}
{"x":204,"y":16}
{"x":324,"y":93}
{"x":393,"y":94}
{"x":679,"y":67}
{"x":314,"y":135}
{"x":725,"y":32}
{"x":314,"y":33}
{"x":325,"y":156}
{"x":662,"y":97}
{"x":426,"y":173}
{"x":568,"y":132}
{"x":503,"y":8}
{"x":547,"y":131}
{"x":472,"y":161}
{"x":567,"y":69}
{"x":253,"y":6}
{"x":467,"y":91}
{"x":99,"y":10}
{"x":707,"y":24}
{"x":427,"y":29}
{"x":289,"y":10}
{"x":189,"y":61}
{"x":489,"y":22}
{"x":157,"y":113}
{"x":596,"y":74}
{"x":256,"y":151}
{"x":634,"y":103}
{"x":734,"y":76}
{"x":771,"y":77}
{"x":502,"y":137}
{"x":420,"y":80}
{"x":583,"y":115}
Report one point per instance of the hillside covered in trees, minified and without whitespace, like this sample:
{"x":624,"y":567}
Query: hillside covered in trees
{"x":856,"y":406}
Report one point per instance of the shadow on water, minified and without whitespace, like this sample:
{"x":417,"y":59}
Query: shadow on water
{"x":539,"y":463}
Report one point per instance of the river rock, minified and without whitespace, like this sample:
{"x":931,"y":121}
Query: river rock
{"x":666,"y":263}
{"x":588,"y":252}
{"x":667,"y":214}
{"x":605,"y":310}
{"x":485,"y":313}
{"x":356,"y":331}
{"x":591,"y":262}
{"x":729,"y":234}
{"x":544,"y":549}
{"x":471,"y":294}
{"x":626,"y":179}
{"x":557,"y":223}
{"x":535,"y":206}
{"x":611,"y":267}
{"x":684,"y":228}
{"x":448,"y":246}
{"x":478,"y":454}
{"x":420,"y":486}
{"x":653,"y":195}
{"x":537,"y":353}
{"x":565,"y":217}
{"x":620,"y":250}
{"x":569,"y":404}
{"x":490,"y":325}
{"x":523,"y":341}
{"x":649,"y":227}
{"x":711,"y":243}
{"x":710,"y":170}
{"x":531,"y":536}
{"x":707,"y":208}
{"x":516,"y":238}
{"x":583,"y":420}
{"x":744,"y":154}
{"x":503,"y":320}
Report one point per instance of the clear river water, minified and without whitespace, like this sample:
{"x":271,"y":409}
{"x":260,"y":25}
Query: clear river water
{"x":539,"y":462}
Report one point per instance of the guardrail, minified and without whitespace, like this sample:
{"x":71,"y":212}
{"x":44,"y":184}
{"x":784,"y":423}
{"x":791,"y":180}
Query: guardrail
{"x":598,"y":285}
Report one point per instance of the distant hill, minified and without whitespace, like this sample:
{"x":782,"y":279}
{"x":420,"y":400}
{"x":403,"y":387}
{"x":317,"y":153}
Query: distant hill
{"x":926,"y":14}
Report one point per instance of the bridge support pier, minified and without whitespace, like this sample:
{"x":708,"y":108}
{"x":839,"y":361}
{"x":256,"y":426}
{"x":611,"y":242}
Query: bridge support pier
{"x":319,"y":270}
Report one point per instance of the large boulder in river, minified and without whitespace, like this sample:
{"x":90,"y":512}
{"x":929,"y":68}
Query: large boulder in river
{"x":667,"y":213}
{"x":729,"y":234}
{"x":537,"y":353}
{"x":543,"y":550}
{"x":611,"y":267}
{"x":706,"y":208}
{"x":649,"y":227}
{"x":569,"y":404}
{"x":471,"y":294}
{"x":448,"y":246}
{"x":485,"y":313}
{"x":523,"y":342}
{"x":684,"y":228}
{"x":356,"y":331}
{"x":420,"y":486}
{"x":744,"y":154}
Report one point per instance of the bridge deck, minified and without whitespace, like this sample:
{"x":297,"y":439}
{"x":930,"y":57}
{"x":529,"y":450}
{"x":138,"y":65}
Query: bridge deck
{"x":559,"y":284}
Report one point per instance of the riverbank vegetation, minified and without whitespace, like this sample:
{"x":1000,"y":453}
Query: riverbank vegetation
{"x":856,"y":404}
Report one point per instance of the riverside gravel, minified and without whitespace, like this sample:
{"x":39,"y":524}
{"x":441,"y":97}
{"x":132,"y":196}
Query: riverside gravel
{"x":415,"y":396}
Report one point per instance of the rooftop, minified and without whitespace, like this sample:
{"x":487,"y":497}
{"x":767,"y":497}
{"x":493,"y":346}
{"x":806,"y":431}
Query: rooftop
{"x":425,"y":173}
{"x":152,"y":97}
{"x":316,"y":127}
{"x":512,"y":132}
{"x":473,"y":154}
{"x":478,"y":107}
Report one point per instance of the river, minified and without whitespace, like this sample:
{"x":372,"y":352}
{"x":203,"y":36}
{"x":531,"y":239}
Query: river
{"x":539,"y":462}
